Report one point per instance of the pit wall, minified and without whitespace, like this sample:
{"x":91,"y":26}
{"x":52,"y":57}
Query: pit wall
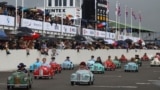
{"x":10,"y":62}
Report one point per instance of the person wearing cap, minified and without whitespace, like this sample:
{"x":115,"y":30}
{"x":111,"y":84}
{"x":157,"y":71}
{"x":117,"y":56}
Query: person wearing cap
{"x":52,"y":60}
{"x":21,"y":68}
{"x":38,"y":61}
{"x":92,"y":58}
{"x":82,"y":66}
{"x":91,"y":61}
{"x":44,"y":63}
{"x":67,"y":58}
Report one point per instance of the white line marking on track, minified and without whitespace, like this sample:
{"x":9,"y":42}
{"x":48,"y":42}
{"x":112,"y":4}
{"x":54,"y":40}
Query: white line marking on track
{"x":2,"y":83}
{"x":143,"y":83}
{"x":109,"y":76}
{"x":156,"y":71}
{"x":153,"y":80}
{"x":116,"y":86}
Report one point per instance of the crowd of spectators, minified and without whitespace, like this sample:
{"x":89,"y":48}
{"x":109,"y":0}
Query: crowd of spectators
{"x":32,"y":13}
{"x":45,"y":45}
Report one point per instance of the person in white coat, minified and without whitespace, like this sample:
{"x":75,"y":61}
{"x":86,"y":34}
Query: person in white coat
{"x":44,"y":63}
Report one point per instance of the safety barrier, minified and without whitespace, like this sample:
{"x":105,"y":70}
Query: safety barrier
{"x":9,"y":62}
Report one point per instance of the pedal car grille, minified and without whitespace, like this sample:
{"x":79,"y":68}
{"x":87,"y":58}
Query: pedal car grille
{"x":17,"y":80}
{"x":41,"y":72}
{"x":95,"y":68}
{"x":78,"y":76}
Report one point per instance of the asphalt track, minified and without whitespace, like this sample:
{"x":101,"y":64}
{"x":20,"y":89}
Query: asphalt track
{"x":148,"y":78}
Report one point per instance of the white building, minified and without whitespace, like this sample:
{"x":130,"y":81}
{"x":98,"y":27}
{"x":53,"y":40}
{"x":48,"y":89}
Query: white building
{"x":65,"y":8}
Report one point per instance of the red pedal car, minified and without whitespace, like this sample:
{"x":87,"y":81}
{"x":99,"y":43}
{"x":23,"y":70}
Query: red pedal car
{"x":109,"y":65}
{"x":145,"y":58}
{"x":44,"y":72}
{"x":56,"y":67}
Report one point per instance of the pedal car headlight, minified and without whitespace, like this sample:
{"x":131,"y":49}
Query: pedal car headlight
{"x":72,"y":76}
{"x":86,"y":77}
{"x":25,"y":79}
{"x":9,"y":78}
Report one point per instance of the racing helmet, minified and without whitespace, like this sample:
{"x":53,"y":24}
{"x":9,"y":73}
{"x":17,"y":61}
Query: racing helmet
{"x":83,"y":63}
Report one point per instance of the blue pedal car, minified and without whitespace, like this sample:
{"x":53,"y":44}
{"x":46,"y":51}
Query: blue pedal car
{"x":131,"y":67}
{"x":34,"y":66}
{"x":67,"y":65}
{"x":97,"y":68}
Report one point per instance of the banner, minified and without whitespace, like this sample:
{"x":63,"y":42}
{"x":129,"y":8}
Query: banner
{"x":6,"y":20}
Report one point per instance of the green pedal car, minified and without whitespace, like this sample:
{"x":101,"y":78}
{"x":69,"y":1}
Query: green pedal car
{"x":97,"y":68}
{"x":19,"y":80}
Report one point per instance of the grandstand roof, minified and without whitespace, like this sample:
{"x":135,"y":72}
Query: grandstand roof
{"x":112,"y":23}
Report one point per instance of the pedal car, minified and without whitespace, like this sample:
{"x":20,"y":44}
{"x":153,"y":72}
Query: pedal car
{"x":145,"y":58}
{"x":97,"y":68}
{"x":82,"y":77}
{"x":90,"y":63}
{"x":131,"y":66}
{"x":117,"y":63}
{"x":44,"y":72}
{"x":56,"y":67}
{"x":34,"y":66}
{"x":19,"y":80}
{"x":67,"y":65}
{"x":109,"y":65}
{"x":155,"y":62}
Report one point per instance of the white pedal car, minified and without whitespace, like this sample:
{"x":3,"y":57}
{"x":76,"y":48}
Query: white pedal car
{"x":155,"y":62}
{"x":82,"y":77}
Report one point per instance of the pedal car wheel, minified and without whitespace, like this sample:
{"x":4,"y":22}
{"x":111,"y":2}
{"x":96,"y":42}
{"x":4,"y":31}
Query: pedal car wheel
{"x":9,"y":87}
{"x":31,"y":71}
{"x":35,"y":77}
{"x":72,"y":83}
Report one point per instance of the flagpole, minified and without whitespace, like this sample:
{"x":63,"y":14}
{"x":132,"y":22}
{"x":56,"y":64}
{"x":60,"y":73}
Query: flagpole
{"x":139,"y":24}
{"x":131,"y":21}
{"x":22,"y":8}
{"x":61,"y":18}
{"x":116,"y":18}
{"x":125,"y":20}
{"x":107,"y":18}
{"x":95,"y":6}
{"x":44,"y":5}
{"x":16,"y":16}
{"x":119,"y":18}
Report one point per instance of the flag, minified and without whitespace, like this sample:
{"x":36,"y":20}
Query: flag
{"x":140,"y":17}
{"x":134,"y":15}
{"x":119,"y":10}
{"x":116,"y":11}
{"x":107,"y":6}
{"x":126,"y":12}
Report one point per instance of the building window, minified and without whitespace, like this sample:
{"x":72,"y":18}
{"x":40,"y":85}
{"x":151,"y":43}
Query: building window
{"x":60,"y":2}
{"x":71,"y":2}
{"x":64,"y":2}
{"x":49,"y":2}
{"x":56,"y":2}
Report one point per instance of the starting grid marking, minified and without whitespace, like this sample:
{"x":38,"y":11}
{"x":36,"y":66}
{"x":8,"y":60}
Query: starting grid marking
{"x":153,"y":80}
{"x":156,"y":71}
{"x":110,"y":76}
{"x":116,"y":87}
{"x":3,"y":84}
{"x":143,"y":83}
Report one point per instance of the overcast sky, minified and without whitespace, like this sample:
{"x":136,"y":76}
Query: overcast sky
{"x":150,"y":10}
